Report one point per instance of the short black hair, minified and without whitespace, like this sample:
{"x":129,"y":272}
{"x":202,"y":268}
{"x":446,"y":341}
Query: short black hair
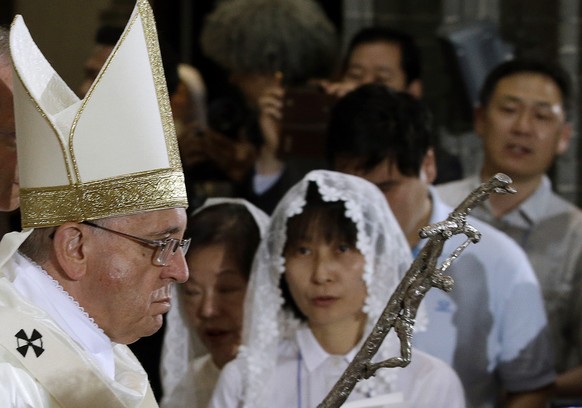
{"x":228,"y":224}
{"x":374,"y":123}
{"x":411,"y":62}
{"x":328,"y":219}
{"x":550,"y":69}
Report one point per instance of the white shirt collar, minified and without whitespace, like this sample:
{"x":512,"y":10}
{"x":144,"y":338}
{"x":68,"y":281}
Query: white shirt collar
{"x":313,"y":354}
{"x":40,"y":289}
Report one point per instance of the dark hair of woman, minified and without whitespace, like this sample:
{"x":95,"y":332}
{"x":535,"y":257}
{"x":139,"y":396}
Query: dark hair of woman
{"x":229,"y":224}
{"x":319,"y":219}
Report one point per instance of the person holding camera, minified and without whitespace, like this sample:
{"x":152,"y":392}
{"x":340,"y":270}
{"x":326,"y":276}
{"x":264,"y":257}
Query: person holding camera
{"x":265,"y":45}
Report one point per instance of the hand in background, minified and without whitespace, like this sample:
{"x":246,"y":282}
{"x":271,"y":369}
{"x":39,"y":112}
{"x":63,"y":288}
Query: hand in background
{"x":270,"y":115}
{"x":337,"y":89}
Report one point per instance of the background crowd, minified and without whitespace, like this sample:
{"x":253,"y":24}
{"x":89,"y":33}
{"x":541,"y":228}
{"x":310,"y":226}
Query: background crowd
{"x":294,"y":149}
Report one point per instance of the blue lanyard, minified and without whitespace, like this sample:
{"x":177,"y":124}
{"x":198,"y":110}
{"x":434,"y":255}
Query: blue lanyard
{"x":299,"y":379}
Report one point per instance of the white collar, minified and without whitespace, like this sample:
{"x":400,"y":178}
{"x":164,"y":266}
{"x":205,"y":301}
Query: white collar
{"x":40,"y":289}
{"x":313,"y":354}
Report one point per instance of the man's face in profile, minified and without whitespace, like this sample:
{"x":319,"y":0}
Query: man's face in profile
{"x":9,"y":193}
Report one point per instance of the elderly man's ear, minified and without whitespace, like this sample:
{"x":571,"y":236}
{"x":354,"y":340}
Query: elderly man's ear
{"x":70,"y":245}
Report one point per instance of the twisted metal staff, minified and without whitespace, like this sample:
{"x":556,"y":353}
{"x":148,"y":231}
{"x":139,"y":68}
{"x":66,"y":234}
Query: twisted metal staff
{"x":423,"y":274}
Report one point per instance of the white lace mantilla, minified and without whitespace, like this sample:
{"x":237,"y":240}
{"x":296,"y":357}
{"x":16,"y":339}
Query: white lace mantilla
{"x":387,"y":256}
{"x":181,"y":345}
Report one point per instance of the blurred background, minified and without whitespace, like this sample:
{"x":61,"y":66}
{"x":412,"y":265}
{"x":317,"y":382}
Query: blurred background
{"x":474,"y":32}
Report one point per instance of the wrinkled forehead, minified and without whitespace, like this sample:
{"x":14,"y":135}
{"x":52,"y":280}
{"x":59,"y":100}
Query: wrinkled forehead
{"x":170,"y":221}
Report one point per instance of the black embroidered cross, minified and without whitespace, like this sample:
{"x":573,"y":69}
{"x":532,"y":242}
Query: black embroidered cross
{"x":23,"y":342}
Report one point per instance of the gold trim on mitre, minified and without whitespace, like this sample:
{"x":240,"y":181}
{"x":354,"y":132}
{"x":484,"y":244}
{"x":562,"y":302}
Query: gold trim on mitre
{"x":52,"y":206}
{"x":151,"y":36}
{"x":143,"y":175}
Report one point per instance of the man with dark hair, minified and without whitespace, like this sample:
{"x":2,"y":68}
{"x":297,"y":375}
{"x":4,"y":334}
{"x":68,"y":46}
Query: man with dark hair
{"x":524,"y":124}
{"x":492,"y":327}
{"x":391,"y":57}
{"x":552,"y":71}
{"x":386,"y":56}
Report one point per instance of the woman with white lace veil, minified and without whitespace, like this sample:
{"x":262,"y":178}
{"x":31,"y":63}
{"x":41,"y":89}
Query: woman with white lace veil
{"x":330,"y":261}
{"x":203,"y":330}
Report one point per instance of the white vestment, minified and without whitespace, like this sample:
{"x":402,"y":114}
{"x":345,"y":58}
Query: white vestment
{"x":47,"y":364}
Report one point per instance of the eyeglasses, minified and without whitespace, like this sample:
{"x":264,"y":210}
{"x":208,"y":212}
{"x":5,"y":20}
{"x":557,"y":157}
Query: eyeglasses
{"x":164,"y":247}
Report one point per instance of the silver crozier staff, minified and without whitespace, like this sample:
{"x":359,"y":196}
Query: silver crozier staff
{"x":423,"y":274}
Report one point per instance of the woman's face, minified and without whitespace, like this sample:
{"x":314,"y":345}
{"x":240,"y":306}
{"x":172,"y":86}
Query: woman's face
{"x":325,"y":280}
{"x":212,"y":300}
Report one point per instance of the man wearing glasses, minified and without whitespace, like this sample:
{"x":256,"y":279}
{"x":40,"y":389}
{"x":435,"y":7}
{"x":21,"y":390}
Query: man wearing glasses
{"x":103,"y":214}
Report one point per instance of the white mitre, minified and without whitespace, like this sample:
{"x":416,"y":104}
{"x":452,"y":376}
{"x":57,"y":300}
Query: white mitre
{"x":112,"y":153}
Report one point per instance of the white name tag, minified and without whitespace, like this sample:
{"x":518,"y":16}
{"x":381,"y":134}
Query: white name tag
{"x":394,"y":400}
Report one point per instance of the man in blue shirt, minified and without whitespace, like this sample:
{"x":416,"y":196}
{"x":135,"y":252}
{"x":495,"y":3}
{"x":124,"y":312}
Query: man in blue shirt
{"x":524,"y":123}
{"x":492,"y":327}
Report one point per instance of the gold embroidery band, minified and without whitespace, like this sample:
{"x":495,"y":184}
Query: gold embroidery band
{"x":138,"y":192}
